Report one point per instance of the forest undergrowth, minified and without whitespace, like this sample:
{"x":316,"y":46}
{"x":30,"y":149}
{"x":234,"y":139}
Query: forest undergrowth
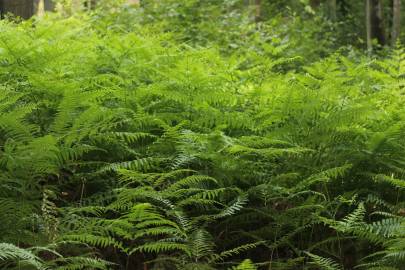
{"x":126,"y":147}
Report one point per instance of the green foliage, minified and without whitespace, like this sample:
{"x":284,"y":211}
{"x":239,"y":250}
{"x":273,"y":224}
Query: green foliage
{"x":9,"y":252}
{"x":245,"y":265}
{"x":125,"y":148}
{"x":324,"y":263}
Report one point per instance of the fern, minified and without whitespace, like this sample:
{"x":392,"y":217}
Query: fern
{"x":324,"y":263}
{"x":245,"y":265}
{"x":10,"y":252}
{"x":127,"y":135}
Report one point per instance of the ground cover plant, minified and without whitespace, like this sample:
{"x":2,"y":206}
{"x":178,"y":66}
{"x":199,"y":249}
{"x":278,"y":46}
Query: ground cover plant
{"x":127,"y":145}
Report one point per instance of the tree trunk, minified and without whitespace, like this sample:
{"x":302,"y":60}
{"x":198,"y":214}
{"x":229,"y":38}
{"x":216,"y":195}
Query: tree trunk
{"x":368,"y":25}
{"x":40,"y":9}
{"x":1,"y":9}
{"x":374,"y":22}
{"x":378,"y":22}
{"x":76,"y":6}
{"x":258,"y":10}
{"x":134,"y":2}
{"x":396,"y":21}
{"x":332,"y":10}
{"x":49,"y":5}
{"x":314,"y":3}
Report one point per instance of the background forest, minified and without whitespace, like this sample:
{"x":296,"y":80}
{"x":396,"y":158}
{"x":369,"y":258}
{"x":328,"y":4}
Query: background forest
{"x":202,"y":135}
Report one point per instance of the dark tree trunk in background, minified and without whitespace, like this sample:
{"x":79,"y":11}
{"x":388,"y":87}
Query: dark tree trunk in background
{"x":377,"y":25}
{"x":1,"y":9}
{"x":314,"y":3}
{"x":332,"y":10}
{"x":258,"y":10}
{"x":378,"y":22}
{"x":49,"y":5}
{"x":368,"y":25}
{"x":374,"y":21}
{"x":343,"y":7}
{"x":22,"y":8}
{"x":25,"y":8}
{"x":396,"y":21}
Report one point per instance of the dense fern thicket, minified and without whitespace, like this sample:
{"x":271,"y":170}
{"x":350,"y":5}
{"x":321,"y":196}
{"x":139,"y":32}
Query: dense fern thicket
{"x":124,"y":147}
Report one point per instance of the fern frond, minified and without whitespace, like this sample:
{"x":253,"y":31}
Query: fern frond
{"x":10,"y":252}
{"x":324,"y":263}
{"x":245,"y":265}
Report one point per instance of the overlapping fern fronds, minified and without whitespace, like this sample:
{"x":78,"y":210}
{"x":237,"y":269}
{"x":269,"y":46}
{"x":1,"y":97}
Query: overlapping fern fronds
{"x":125,"y":146}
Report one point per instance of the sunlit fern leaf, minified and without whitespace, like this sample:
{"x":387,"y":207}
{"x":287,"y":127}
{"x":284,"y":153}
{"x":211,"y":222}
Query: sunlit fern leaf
{"x":159,"y":247}
{"x":10,"y":252}
{"x":172,"y":176}
{"x":141,"y":164}
{"x":81,"y":262}
{"x":73,"y":153}
{"x":324,"y":263}
{"x":67,"y":110}
{"x":209,"y":194}
{"x":198,"y":204}
{"x":128,"y":177}
{"x":399,"y":183}
{"x":266,"y":152}
{"x":94,"y":240}
{"x":355,"y":217}
{"x":235,"y":251}
{"x":234,"y":207}
{"x":88,"y":210}
{"x":192,"y":181}
{"x":13,"y":128}
{"x":245,"y":265}
{"x":131,"y":137}
{"x":388,"y":227}
{"x":374,"y":199}
{"x":201,"y":244}
{"x":324,"y":176}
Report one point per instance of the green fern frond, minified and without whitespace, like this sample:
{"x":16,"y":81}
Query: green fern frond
{"x":160,"y":247}
{"x":81,"y":262}
{"x":142,"y":164}
{"x":192,"y":181}
{"x":94,"y":240}
{"x":399,"y":183}
{"x":245,"y":265}
{"x":10,"y":252}
{"x":235,"y":251}
{"x":234,"y":207}
{"x":324,"y":263}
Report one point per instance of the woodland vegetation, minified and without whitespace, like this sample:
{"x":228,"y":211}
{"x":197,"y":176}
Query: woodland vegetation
{"x":198,"y":135}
